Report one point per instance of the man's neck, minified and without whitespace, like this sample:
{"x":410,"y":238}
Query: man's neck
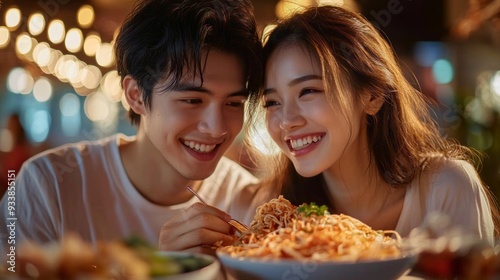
{"x":153,"y":178}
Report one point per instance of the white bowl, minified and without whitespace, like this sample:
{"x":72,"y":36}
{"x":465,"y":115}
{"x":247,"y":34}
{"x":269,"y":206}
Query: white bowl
{"x":209,"y":272}
{"x":255,"y":269}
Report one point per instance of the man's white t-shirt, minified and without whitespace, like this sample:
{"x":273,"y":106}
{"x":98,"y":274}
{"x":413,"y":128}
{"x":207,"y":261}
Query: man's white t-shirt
{"x":83,"y":188}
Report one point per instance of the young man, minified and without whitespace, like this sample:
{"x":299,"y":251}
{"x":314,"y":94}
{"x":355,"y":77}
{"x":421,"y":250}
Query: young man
{"x":187,"y":67}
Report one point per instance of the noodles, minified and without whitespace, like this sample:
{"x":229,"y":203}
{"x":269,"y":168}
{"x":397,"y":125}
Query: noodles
{"x":278,"y":231}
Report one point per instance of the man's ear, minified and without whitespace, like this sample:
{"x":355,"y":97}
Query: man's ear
{"x":133,"y":95}
{"x":372,"y":103}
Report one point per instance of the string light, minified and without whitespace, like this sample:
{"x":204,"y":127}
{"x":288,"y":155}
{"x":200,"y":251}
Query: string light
{"x":13,"y":18}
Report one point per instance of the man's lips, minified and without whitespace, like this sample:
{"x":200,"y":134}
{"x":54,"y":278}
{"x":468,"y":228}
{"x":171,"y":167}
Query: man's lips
{"x":199,"y":147}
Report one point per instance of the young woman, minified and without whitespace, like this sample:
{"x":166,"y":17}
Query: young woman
{"x":355,"y":135}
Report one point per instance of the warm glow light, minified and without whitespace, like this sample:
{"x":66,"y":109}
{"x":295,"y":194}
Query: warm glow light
{"x":96,"y":108}
{"x":495,"y":83}
{"x":66,"y":67}
{"x":56,"y":31}
{"x":41,"y":48}
{"x":261,"y":138}
{"x":267,"y":30}
{"x":85,"y":16}
{"x":338,"y":3}
{"x":71,"y":69}
{"x":91,"y":44}
{"x":41,"y":54}
{"x":42,"y":90}
{"x":36,"y":24}
{"x":288,"y":7}
{"x":54,"y":58}
{"x":110,"y":86}
{"x":104,"y":55}
{"x":13,"y":18}
{"x":125,"y":103}
{"x":23,"y":43}
{"x":91,"y":76}
{"x":4,"y":37}
{"x":74,"y":40}
{"x":19,"y":81}
{"x":76,"y":78}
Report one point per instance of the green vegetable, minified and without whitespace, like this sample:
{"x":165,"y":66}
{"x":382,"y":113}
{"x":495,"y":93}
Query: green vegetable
{"x":163,"y":265}
{"x":312,"y":209}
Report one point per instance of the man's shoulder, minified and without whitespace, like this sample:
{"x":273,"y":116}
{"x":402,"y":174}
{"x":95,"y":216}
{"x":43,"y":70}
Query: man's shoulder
{"x":71,"y":151}
{"x":71,"y":156}
{"x":231,"y":168}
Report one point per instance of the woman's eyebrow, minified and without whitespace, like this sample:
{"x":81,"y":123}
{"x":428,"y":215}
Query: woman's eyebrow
{"x":294,"y":82}
{"x":304,"y":78}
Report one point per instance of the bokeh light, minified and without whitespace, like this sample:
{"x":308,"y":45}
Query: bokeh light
{"x":23,"y":43}
{"x":105,"y":55}
{"x":13,"y":18}
{"x":74,"y":40}
{"x":96,"y":107}
{"x":85,"y":16}
{"x":91,"y":44}
{"x":443,"y":71}
{"x":4,"y":37}
{"x":36,"y":24}
{"x":56,"y":31}
{"x":285,"y":8}
{"x":19,"y":81}
{"x":42,"y":89}
{"x":40,"y":124}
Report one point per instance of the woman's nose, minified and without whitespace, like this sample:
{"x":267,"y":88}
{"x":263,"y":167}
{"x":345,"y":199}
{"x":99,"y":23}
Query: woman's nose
{"x":291,"y":118}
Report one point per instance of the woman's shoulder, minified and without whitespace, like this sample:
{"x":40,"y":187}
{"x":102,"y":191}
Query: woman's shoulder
{"x":447,"y":176}
{"x":452,"y":170}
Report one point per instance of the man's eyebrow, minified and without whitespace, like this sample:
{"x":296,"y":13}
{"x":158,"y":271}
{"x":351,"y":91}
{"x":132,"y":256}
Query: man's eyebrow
{"x":201,"y":89}
{"x":294,"y":82}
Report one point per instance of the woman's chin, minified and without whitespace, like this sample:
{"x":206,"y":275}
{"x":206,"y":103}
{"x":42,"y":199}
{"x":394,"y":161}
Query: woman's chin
{"x":307,"y":172}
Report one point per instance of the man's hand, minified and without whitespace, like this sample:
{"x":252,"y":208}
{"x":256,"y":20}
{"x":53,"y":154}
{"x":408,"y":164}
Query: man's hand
{"x":198,"y":227}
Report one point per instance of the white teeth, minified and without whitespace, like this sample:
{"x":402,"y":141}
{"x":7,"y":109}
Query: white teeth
{"x":304,"y":142}
{"x":203,"y":148}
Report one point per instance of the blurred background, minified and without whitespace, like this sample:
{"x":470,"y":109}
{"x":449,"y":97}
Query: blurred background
{"x":58,"y":83}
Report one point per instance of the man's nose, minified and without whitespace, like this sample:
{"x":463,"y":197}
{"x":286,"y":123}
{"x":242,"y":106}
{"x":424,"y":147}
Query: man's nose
{"x":212,"y":122}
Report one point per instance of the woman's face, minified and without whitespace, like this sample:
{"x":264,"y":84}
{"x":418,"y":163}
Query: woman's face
{"x":309,"y":130}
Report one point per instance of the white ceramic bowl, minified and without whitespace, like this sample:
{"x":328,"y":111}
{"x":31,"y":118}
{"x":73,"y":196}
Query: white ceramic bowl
{"x":255,"y":269}
{"x":209,"y":272}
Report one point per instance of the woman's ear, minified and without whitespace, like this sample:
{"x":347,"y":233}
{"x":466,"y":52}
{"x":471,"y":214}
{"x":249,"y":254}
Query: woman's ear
{"x":372,"y":103}
{"x":133,"y":95}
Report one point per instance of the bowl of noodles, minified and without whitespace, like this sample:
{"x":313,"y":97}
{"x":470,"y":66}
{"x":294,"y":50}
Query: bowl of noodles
{"x":306,"y":242}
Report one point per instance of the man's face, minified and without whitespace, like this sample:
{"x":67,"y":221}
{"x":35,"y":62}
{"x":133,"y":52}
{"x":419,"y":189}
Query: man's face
{"x":193,"y":125}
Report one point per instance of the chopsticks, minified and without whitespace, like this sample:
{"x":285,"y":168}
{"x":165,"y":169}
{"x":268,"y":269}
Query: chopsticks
{"x":237,"y":225}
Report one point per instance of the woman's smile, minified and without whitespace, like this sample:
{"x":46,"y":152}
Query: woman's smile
{"x":304,"y":144}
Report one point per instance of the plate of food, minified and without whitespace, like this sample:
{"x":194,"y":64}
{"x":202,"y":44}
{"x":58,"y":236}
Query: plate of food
{"x":133,"y":258}
{"x":184,"y":266}
{"x":306,"y":242}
